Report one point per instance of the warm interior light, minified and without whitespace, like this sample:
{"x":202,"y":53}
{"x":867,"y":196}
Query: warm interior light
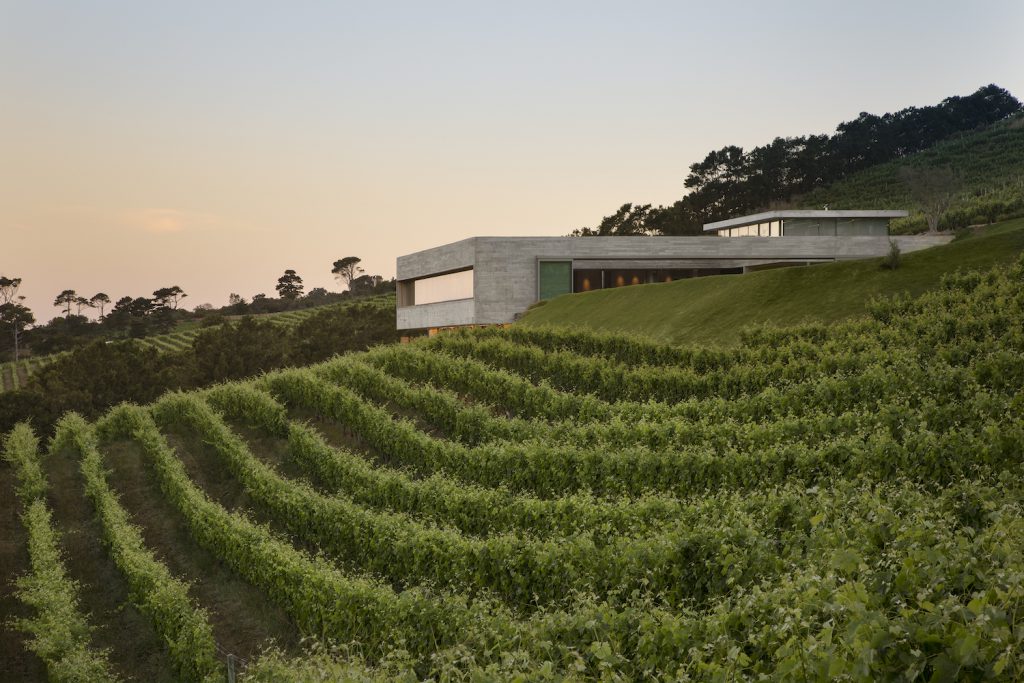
{"x":619,"y":281}
{"x":668,"y":278}
{"x":636,"y":280}
{"x":586,"y":284}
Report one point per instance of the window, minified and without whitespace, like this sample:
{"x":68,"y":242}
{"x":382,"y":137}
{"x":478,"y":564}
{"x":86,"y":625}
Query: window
{"x":447,"y":287}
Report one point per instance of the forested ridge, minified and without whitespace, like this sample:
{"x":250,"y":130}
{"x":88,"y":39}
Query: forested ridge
{"x":732,"y":181}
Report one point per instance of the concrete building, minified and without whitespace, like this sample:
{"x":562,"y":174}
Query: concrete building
{"x":492,"y":280}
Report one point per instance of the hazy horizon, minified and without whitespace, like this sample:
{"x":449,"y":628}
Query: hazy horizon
{"x":213,"y":146}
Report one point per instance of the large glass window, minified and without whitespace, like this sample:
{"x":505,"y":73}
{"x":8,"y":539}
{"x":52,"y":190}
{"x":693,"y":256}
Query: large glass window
{"x":587,"y":280}
{"x":447,"y":287}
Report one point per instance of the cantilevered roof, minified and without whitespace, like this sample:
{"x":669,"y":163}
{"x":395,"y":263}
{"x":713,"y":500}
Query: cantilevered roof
{"x":769,"y":216}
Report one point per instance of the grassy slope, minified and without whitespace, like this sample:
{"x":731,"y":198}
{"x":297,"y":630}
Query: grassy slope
{"x":715,"y":309}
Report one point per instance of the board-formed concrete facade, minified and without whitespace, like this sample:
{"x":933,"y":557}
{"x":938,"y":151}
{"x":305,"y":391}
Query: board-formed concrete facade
{"x":505,"y":270}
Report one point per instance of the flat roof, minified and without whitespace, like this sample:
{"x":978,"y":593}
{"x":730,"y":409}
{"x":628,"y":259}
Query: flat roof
{"x":768,"y":216}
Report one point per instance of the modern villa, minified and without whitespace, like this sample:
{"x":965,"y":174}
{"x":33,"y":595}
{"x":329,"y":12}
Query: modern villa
{"x":493,"y":280}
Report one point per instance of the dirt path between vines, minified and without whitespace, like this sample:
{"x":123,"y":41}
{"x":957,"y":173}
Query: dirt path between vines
{"x":244,"y":620}
{"x":136,"y":651}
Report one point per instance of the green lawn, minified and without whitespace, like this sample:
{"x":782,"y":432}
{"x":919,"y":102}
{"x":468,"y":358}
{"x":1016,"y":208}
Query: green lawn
{"x":713,"y":310}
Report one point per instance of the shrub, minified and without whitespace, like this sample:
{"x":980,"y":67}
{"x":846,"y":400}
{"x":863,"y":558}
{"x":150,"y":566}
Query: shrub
{"x":891,"y":261}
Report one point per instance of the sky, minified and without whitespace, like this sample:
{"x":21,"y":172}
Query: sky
{"x":214,"y":144}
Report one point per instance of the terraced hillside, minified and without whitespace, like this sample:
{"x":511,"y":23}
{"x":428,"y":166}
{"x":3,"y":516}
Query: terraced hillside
{"x":16,"y":375}
{"x":823,"y":502}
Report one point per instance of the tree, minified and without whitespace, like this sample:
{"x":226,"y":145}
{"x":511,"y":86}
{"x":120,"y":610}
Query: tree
{"x":65,"y":300}
{"x":237,"y":303}
{"x":168,"y":297}
{"x":80,"y":302}
{"x":628,"y":220}
{"x":131,"y":315}
{"x":16,"y":316}
{"x":9,"y":288}
{"x":289,"y":285}
{"x":120,"y":317}
{"x":100,"y":301}
{"x":366,"y":284}
{"x":347,"y":269}
{"x":933,"y":188}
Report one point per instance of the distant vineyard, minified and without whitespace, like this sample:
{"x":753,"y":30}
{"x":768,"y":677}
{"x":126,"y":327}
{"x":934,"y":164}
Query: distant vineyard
{"x":16,"y":375}
{"x":822,"y":503}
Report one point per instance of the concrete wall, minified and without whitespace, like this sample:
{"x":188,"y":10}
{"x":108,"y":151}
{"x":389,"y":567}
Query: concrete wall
{"x":441,"y":314}
{"x":505,"y":268}
{"x":437,"y":260}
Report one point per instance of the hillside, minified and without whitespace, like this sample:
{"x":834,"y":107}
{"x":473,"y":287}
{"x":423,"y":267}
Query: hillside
{"x":990,"y":164}
{"x":540,"y":506}
{"x":714,"y":310}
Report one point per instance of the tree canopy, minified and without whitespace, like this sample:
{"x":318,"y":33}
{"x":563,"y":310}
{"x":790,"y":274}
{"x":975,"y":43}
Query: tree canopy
{"x":169,"y":297}
{"x":347,"y":269}
{"x":289,"y":285}
{"x":9,"y":288}
{"x":65,"y":300}
{"x":731,"y":181}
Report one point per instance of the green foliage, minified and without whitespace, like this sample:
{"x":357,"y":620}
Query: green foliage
{"x":289,"y":285}
{"x":892,"y":260}
{"x":60,"y":634}
{"x":21,"y":450}
{"x":356,"y":327}
{"x":235,"y":351}
{"x":95,"y":377}
{"x":184,"y":628}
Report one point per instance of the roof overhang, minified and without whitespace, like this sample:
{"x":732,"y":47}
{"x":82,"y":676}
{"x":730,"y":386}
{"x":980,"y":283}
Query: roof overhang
{"x":769,"y":216}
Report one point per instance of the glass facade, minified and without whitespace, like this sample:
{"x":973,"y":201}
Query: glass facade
{"x":588,"y":280}
{"x":767,"y":229}
{"x":812,"y":227}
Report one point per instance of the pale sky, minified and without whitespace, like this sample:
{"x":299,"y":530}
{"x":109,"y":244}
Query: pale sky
{"x":214,"y":144}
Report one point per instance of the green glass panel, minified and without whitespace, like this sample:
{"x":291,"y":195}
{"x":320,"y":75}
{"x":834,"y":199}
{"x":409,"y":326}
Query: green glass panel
{"x":555,"y":278}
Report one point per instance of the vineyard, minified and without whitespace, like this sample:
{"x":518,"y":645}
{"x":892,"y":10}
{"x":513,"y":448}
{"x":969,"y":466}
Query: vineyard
{"x":15,"y":375}
{"x":822,"y":502}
